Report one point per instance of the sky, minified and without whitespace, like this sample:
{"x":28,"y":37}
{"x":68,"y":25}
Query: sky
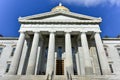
{"x":11,"y":10}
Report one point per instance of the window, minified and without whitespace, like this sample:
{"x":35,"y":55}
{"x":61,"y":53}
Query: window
{"x":111,"y":69}
{"x":13,"y":50}
{"x":1,"y":51}
{"x":118,"y":49}
{"x":59,"y":52}
{"x":46,"y":52}
{"x":106,"y":52}
{"x":73,"y":50}
{"x":8,"y":67}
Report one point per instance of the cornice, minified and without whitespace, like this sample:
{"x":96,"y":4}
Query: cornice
{"x":111,"y":39}
{"x":50,"y":14}
{"x":8,"y":38}
{"x":59,"y":21}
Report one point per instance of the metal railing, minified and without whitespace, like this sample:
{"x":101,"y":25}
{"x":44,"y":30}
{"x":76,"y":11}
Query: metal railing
{"x":50,"y":76}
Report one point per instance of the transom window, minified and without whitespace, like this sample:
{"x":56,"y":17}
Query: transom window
{"x":59,"y":51}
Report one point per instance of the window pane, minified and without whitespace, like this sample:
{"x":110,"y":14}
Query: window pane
{"x":46,"y":52}
{"x":59,"y":51}
{"x":8,"y":67}
{"x":106,"y":52}
{"x":13,"y":52}
{"x":111,"y":69}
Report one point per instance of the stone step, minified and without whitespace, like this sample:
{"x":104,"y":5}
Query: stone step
{"x":22,"y":77}
{"x":57,"y":77}
{"x":60,"y":77}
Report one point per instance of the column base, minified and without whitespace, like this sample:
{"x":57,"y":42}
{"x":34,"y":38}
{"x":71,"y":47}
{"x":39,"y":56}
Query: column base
{"x":88,"y":70}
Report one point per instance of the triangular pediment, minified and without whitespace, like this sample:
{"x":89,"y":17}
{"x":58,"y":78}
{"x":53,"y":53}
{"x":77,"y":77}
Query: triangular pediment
{"x":59,"y":16}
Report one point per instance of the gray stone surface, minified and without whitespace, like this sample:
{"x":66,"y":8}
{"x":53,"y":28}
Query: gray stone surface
{"x":58,"y":77}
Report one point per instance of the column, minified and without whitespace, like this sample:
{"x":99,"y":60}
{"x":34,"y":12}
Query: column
{"x":51,"y":54}
{"x":77,"y":63}
{"x":101,"y":53}
{"x":23,"y":57}
{"x":81,"y":59}
{"x":68,"y":51}
{"x":39,"y":57}
{"x":17,"y":55}
{"x":88,"y":65}
{"x":33,"y":55}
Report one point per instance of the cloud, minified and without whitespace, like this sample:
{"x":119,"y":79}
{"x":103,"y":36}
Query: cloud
{"x":92,"y":2}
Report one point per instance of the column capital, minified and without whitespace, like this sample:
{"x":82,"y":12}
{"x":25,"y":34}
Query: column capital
{"x":67,"y":31}
{"x":36,"y":31}
{"x":22,"y":31}
{"x":97,"y":32}
{"x":52,"y":30}
{"x":83,"y":32}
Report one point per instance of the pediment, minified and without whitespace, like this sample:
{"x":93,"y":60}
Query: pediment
{"x":59,"y":16}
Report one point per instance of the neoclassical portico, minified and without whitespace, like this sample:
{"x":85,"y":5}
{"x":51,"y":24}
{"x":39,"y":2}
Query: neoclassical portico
{"x":58,"y":43}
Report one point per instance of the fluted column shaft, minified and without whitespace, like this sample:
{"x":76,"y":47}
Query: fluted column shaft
{"x":88,"y":65}
{"x":68,"y":51}
{"x":33,"y":55}
{"x":17,"y":54}
{"x":81,"y":59}
{"x":51,"y":54}
{"x":101,"y":53}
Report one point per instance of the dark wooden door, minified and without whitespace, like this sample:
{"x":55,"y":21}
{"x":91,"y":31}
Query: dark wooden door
{"x":60,"y":67}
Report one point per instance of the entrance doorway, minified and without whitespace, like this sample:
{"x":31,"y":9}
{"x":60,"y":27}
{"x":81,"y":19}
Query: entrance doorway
{"x":59,"y":67}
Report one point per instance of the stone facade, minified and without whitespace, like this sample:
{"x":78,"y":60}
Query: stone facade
{"x":59,"y":45}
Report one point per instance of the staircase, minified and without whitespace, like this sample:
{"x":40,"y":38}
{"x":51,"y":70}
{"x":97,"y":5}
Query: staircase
{"x":58,"y":77}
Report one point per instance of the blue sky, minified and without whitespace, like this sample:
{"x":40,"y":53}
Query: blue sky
{"x":108,"y":10}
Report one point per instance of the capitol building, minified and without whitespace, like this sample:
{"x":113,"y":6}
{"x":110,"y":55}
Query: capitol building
{"x":59,"y":45}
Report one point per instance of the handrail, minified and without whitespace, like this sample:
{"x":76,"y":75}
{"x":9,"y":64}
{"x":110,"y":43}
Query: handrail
{"x":69,"y":77}
{"x":47,"y":77}
{"x":50,"y":77}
